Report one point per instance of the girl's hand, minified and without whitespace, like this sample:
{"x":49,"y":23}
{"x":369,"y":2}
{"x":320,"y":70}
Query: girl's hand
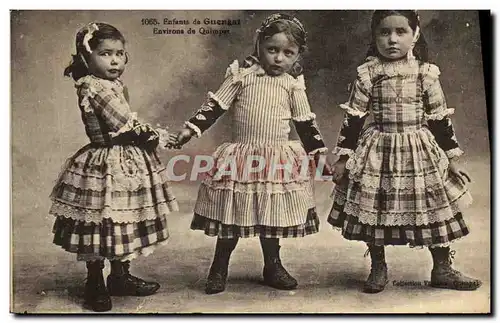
{"x":459,"y":171}
{"x":177,"y":140}
{"x":172,"y":141}
{"x":339,"y":170}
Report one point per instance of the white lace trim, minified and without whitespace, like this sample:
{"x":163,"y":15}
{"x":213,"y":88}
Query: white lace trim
{"x":353,"y":112}
{"x":194,"y":128}
{"x":455,"y":152}
{"x":219,"y":102}
{"x":305,"y":117}
{"x":428,"y":182}
{"x":408,"y":218}
{"x":318,"y":150}
{"x":259,"y":187}
{"x":339,"y":151}
{"x":117,"y":215}
{"x":439,"y":115}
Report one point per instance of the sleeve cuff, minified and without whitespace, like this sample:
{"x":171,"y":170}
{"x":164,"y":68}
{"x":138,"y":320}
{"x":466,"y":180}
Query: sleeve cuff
{"x":318,"y":150}
{"x":306,"y":117}
{"x":439,"y":115}
{"x":193,"y":127}
{"x":455,"y":152}
{"x":339,"y":151}
{"x":221,"y":104}
{"x":352,"y":111}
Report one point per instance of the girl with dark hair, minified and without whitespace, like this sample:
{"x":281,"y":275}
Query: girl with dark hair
{"x":111,"y":199}
{"x":398,"y":180}
{"x":264,"y":94}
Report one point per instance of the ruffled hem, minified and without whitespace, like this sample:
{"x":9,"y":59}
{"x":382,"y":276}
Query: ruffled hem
{"x":109,"y":240}
{"x":259,"y":208}
{"x":214,"y":228}
{"x":428,"y":182}
{"x":116,"y":214}
{"x":437,"y":234}
{"x":402,"y":218}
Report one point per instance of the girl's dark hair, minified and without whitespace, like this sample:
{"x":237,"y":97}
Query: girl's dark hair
{"x":295,"y":33}
{"x":78,"y":66}
{"x":420,"y":50}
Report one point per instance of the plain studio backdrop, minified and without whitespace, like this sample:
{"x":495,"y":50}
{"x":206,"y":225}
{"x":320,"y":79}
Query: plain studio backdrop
{"x":168,"y":77}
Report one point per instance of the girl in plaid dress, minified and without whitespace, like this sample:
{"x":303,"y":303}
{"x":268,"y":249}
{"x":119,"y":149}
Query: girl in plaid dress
{"x":263,"y":94}
{"x":398,"y":180}
{"x":111,"y":199}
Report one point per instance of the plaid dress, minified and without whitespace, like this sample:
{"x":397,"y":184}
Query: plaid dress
{"x":110,"y":201}
{"x":398,"y":190}
{"x":277,"y":200}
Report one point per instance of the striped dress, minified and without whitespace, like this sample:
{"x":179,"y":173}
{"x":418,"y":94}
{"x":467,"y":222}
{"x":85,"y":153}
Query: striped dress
{"x":110,"y":201}
{"x":398,"y":190}
{"x":275,"y":201}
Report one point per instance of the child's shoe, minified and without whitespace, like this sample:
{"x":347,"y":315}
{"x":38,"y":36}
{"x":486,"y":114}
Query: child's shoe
{"x":216,"y":280}
{"x":275,"y":275}
{"x":378,"y":273}
{"x":96,"y":295}
{"x":217,"y":277}
{"x":122,"y":283}
{"x":444,"y":276}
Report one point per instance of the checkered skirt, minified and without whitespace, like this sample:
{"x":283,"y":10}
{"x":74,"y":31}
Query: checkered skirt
{"x":399,"y":191}
{"x":215,"y":228}
{"x":109,"y":239}
{"x":111,"y":202}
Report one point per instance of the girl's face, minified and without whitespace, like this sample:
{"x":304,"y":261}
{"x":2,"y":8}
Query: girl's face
{"x":107,"y":61}
{"x":278,"y":54}
{"x":394,"y":37}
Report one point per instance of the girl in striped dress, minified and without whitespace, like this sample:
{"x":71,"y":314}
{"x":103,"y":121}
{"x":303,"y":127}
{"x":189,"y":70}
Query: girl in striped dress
{"x":398,"y":180}
{"x":248,"y":193}
{"x":111,"y":199}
